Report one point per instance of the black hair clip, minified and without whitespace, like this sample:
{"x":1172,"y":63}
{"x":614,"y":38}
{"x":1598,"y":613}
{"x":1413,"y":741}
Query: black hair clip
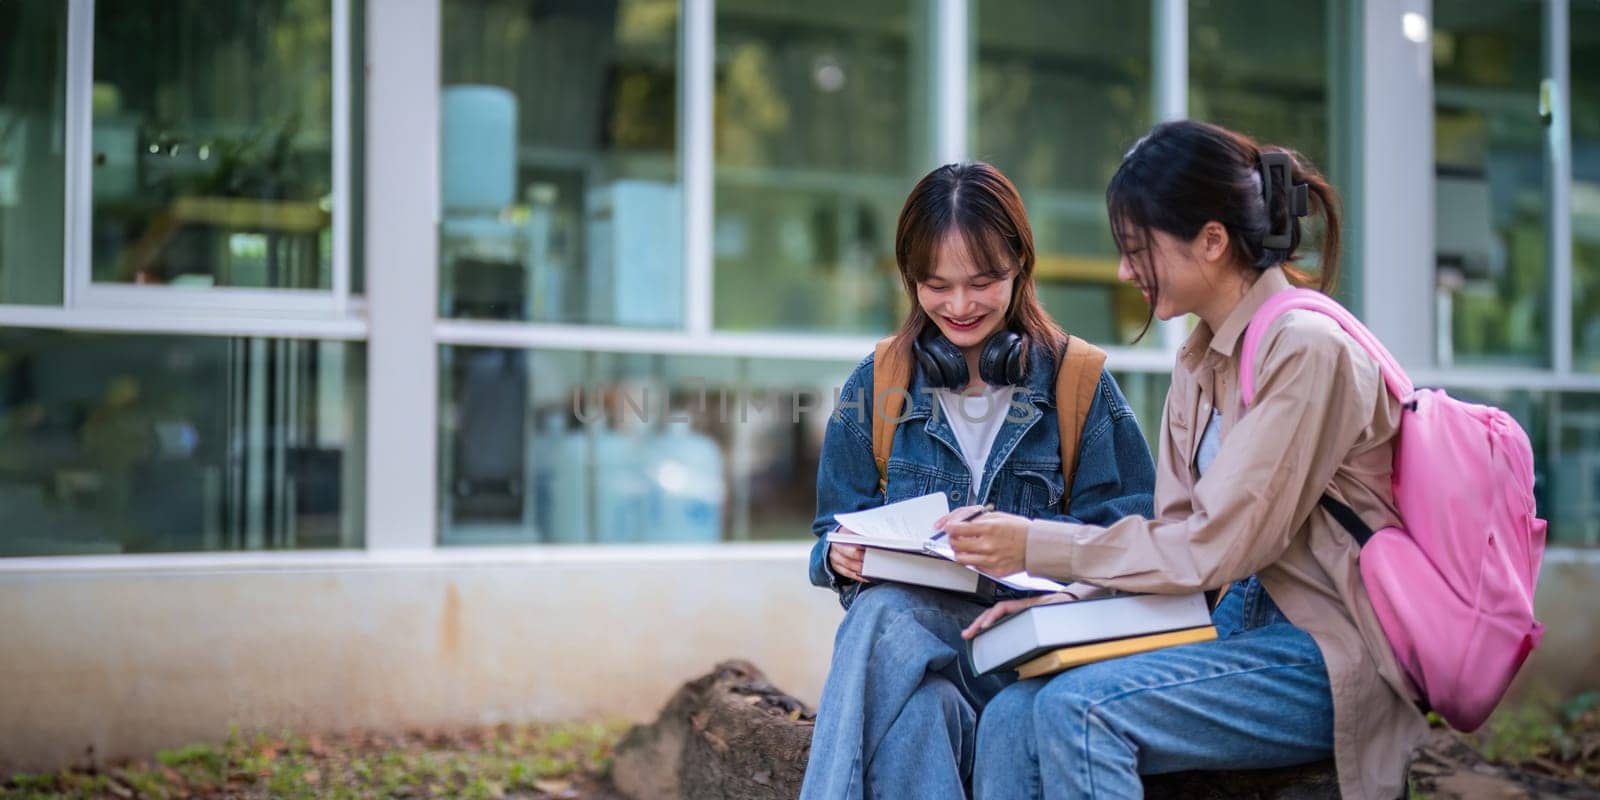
{"x":1277,"y":169}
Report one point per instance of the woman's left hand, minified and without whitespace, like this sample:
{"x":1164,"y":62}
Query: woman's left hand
{"x":995,"y":543}
{"x":1006,"y":608}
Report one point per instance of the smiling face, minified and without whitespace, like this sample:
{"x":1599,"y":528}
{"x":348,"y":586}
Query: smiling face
{"x":1182,"y":277}
{"x":1160,"y":268}
{"x":966,"y":302}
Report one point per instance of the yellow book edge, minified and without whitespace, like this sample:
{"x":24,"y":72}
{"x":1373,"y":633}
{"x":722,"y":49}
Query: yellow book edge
{"x":1057,"y":660}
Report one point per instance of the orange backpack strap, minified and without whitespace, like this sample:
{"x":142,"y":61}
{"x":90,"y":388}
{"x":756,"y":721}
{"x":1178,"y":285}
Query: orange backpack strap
{"x":891,"y":379}
{"x":1076,"y":383}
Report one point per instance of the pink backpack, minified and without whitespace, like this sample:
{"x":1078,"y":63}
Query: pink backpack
{"x":1453,"y":590}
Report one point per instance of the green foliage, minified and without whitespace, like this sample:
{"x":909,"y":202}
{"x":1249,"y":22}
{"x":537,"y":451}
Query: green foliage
{"x":1584,"y":705}
{"x":1546,"y":735}
{"x":485,"y":763}
{"x":26,"y":782}
{"x":203,"y":756}
{"x":1519,"y":733}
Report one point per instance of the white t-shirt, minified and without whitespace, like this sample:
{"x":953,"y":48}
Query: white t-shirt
{"x":976,"y":420}
{"x":1209,"y":440}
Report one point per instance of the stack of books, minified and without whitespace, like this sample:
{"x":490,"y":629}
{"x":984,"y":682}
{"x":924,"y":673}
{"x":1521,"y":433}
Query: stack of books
{"x":903,"y":546}
{"x":1048,"y":638}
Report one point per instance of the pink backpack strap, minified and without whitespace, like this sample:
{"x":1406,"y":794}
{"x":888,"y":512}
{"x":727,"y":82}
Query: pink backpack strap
{"x":1290,"y":299}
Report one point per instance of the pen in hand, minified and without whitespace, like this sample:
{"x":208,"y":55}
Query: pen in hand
{"x":968,"y":518}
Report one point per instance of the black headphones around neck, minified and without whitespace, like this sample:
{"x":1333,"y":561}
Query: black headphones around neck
{"x":1001,"y":362}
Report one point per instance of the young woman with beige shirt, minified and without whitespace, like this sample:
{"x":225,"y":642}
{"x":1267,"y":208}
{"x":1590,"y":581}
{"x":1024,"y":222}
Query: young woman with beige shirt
{"x":1301,"y":669}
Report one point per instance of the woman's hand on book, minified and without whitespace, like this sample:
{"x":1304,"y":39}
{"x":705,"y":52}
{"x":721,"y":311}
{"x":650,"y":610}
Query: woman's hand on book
{"x":962,"y":514}
{"x":1006,"y":608}
{"x":996,"y":543}
{"x":846,"y":559}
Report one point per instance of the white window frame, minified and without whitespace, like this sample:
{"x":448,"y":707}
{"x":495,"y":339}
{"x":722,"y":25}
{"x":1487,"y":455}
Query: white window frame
{"x":1395,"y":215}
{"x":1557,"y":59}
{"x":950,"y":51}
{"x":325,"y":315}
{"x":332,"y":313}
{"x":1395,"y":222}
{"x":950,"y":62}
{"x":405,"y":333}
{"x":1169,"y":61}
{"x":234,"y":309}
{"x":697,"y":52}
{"x":403,"y":92}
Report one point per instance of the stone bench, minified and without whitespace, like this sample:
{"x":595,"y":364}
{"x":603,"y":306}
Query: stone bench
{"x":732,"y":734}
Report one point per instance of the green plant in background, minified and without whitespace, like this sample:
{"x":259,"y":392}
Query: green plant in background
{"x":1519,"y":733}
{"x":1552,"y":735}
{"x":261,"y":164}
{"x":483,"y":763}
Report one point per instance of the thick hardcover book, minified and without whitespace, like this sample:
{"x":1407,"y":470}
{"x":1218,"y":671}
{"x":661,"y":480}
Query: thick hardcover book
{"x":1039,"y":629}
{"x":922,"y":570}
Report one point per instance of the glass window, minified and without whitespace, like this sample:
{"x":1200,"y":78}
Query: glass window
{"x":213,"y":143}
{"x":358,"y":146}
{"x":33,"y":35}
{"x":570,"y":447}
{"x":129,"y":443}
{"x":1570,"y":445}
{"x":1060,"y":91}
{"x":821,"y":131}
{"x":1492,"y":280}
{"x":1585,"y":74}
{"x":1261,"y":68}
{"x":1146,"y":393}
{"x":630,"y":448}
{"x":562,"y":201}
{"x":1564,"y":429}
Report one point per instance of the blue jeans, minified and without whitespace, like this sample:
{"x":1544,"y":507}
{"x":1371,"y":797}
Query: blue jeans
{"x":899,"y":711}
{"x":1257,"y":697}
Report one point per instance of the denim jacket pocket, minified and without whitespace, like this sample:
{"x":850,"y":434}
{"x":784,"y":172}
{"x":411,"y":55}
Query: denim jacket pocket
{"x":1030,"y":492}
{"x":908,"y":479}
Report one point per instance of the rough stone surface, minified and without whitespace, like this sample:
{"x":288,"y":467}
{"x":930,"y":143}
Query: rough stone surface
{"x":732,"y":735}
{"x":729,"y":734}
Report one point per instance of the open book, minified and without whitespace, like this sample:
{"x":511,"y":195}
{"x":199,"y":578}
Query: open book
{"x":900,"y":543}
{"x":1091,"y":630}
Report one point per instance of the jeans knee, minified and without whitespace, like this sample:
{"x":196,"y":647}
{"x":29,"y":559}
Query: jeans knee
{"x":936,"y":701}
{"x":1064,"y":704}
{"x":879,"y":605}
{"x":1008,"y":717}
{"x":1010,"y":710}
{"x":880,"y":597}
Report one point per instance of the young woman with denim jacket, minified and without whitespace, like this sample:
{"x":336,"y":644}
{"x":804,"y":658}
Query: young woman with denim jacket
{"x":1300,"y":670}
{"x":899,"y":709}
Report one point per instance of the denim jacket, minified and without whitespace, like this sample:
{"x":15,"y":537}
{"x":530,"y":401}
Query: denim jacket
{"x":1115,"y":476}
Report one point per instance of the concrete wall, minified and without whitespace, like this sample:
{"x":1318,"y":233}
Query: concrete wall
{"x":1569,"y":660}
{"x":135,"y":654}
{"x":142,"y":654}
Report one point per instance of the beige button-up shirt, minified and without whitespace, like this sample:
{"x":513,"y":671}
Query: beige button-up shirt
{"x":1322,"y":421}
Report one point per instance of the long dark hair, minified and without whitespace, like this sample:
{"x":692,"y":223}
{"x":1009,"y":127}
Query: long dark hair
{"x":978,"y":202}
{"x":1184,"y":174}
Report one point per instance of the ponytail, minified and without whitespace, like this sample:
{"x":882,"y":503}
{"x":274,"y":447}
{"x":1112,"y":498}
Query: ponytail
{"x":1184,"y":174}
{"x":1324,"y":203}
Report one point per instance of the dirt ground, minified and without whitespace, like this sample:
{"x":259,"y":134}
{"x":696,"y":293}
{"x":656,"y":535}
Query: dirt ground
{"x":1534,"y":751}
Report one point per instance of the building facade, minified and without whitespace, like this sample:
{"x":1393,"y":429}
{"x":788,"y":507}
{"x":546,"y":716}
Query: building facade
{"x":374,"y":362}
